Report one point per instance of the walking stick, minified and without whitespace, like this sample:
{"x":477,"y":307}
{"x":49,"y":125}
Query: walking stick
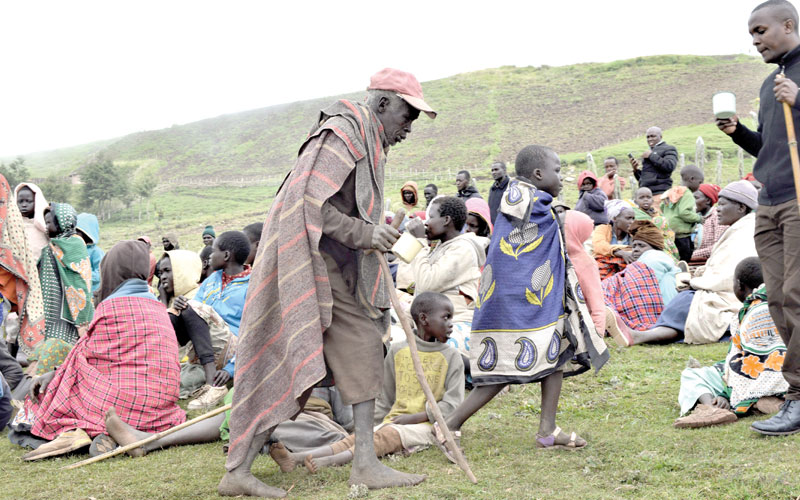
{"x":787,"y":115}
{"x":154,"y":437}
{"x":412,"y":345}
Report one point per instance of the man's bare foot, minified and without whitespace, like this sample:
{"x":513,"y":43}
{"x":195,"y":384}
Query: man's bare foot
{"x":310,"y":464}
{"x":376,"y":475}
{"x":123,"y":433}
{"x":282,"y":457}
{"x":234,"y":484}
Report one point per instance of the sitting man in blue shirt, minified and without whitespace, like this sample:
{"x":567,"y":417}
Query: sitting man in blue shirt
{"x":225,"y":289}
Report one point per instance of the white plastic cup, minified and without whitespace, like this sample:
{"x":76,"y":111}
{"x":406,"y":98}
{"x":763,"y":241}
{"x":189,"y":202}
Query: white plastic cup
{"x":724,"y":104}
{"x":406,"y":247}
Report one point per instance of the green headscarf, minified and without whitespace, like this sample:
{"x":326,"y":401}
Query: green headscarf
{"x":74,"y":267}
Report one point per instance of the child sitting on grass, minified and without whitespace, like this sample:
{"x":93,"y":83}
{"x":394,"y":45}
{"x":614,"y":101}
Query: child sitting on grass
{"x":401,"y":410}
{"x":253,"y":233}
{"x":645,"y":210}
{"x":226,"y":288}
{"x":591,"y":199}
{"x":678,"y":206}
{"x":750,"y":375}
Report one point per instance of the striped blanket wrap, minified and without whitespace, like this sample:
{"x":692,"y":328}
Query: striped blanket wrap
{"x":289,"y":302}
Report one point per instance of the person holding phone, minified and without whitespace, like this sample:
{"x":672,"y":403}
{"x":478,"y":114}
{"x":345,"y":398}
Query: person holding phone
{"x":655,"y":169}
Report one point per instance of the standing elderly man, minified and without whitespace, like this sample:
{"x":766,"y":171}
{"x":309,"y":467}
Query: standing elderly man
{"x":773,"y":26}
{"x":657,"y":165}
{"x":498,"y":188}
{"x":317,"y":296}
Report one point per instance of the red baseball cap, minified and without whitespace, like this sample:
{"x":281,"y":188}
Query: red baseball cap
{"x":405,"y":85}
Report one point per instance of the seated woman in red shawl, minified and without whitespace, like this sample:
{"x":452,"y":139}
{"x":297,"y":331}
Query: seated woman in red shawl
{"x":128,"y":361}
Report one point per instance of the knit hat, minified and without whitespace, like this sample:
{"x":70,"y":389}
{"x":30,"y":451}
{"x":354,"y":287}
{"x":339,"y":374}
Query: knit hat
{"x":711,"y":191}
{"x":742,"y":192}
{"x":645,"y":230}
{"x":209,"y":230}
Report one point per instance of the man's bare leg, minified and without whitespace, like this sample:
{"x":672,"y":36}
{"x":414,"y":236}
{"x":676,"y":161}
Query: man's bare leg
{"x":241,"y":481}
{"x":657,"y":334}
{"x":367,"y":469}
{"x":205,"y":431}
{"x":476,"y":400}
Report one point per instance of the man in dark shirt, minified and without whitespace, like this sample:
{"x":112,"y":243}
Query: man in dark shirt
{"x":657,"y":164}
{"x":465,"y":189}
{"x":773,"y":26}
{"x":498,"y":188}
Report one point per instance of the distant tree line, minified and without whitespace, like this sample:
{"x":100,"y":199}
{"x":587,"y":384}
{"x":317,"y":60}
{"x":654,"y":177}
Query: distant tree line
{"x":104,"y":190}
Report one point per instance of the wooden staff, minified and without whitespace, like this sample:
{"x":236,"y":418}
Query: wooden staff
{"x":412,"y":346}
{"x":787,"y":115}
{"x":128,"y":447}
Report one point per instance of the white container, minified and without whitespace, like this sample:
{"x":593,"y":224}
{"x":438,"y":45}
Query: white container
{"x":406,"y":248}
{"x":724,"y":104}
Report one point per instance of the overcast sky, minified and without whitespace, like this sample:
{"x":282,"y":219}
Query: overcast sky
{"x":79,"y":71}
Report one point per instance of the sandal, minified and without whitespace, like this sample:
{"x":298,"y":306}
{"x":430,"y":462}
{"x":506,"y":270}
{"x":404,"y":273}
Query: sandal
{"x":102,"y":443}
{"x":441,"y":441}
{"x":549,"y":442}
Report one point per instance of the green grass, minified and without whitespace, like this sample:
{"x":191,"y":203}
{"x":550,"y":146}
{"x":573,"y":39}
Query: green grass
{"x":625,"y":413}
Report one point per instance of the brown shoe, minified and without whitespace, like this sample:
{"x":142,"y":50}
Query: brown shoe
{"x":705,"y":416}
{"x":65,"y":442}
{"x":768,"y":405}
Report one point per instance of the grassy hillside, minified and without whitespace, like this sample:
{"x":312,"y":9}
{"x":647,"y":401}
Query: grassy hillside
{"x":484,"y":115}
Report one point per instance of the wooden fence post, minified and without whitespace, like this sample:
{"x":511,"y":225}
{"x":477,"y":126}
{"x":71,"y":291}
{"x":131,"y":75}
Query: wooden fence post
{"x":590,"y":163}
{"x":700,"y":154}
{"x":740,"y":157}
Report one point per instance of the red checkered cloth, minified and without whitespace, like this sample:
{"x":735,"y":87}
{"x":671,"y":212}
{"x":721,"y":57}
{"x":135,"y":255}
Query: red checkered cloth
{"x":609,"y":265}
{"x":128,"y":360}
{"x":635,"y":294}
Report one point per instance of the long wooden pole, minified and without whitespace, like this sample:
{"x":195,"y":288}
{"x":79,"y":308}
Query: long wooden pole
{"x":154,"y":437}
{"x":787,"y":115}
{"x":412,"y":346}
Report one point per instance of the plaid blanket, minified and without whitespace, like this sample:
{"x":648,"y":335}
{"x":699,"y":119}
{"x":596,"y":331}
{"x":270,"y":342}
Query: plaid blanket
{"x":635,"y":294}
{"x":128,"y":360}
{"x":289,"y":303}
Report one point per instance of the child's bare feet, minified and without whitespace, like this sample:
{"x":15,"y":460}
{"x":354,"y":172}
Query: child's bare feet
{"x":282,"y":457}
{"x":234,"y":484}
{"x":123,"y":433}
{"x":375,"y":475}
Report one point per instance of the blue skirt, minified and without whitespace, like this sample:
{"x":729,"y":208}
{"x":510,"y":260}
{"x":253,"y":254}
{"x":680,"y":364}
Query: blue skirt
{"x":675,"y":313}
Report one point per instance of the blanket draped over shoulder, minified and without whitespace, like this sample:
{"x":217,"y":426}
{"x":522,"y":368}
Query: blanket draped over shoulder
{"x":289,"y":302}
{"x":521,"y":322}
{"x":128,"y":360}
